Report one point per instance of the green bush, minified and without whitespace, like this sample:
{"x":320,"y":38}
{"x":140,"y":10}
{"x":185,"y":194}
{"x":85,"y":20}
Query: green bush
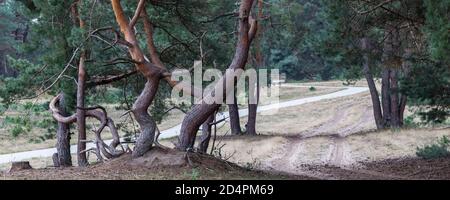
{"x":17,"y":130}
{"x":312,"y":89}
{"x":2,"y":109}
{"x":438,"y":150}
{"x":411,"y":122}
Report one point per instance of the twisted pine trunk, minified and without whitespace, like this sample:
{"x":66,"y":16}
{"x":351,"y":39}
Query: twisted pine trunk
{"x":200,"y":112}
{"x":62,"y":157}
{"x":152,"y":72}
{"x":146,"y":122}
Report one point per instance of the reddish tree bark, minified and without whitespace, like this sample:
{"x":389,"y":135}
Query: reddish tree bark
{"x":259,"y":63}
{"x":153,"y":71}
{"x":200,"y":112}
{"x":146,"y":122}
{"x":81,"y":114}
{"x":149,"y":70}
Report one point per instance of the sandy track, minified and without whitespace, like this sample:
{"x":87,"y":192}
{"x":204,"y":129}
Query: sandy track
{"x":338,"y":153}
{"x":172,"y":132}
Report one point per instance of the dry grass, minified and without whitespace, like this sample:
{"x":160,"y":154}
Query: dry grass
{"x":166,"y":173}
{"x":358,"y":148}
{"x":158,"y":164}
{"x":324,"y":116}
{"x":300,"y":136}
{"x":336,"y":83}
{"x":392,"y":144}
{"x":9,"y":144}
{"x":291,"y":93}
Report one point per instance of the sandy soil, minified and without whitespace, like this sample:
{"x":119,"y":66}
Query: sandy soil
{"x":332,"y":157}
{"x":9,"y":144}
{"x":330,"y":139}
{"x":157,"y":164}
{"x":299,"y":139}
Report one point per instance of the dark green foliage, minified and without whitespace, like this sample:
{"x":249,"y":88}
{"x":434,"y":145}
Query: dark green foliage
{"x":293,"y":44}
{"x":438,"y":29}
{"x":428,"y":86}
{"x":19,"y":125}
{"x":34,"y":116}
{"x":438,"y":150}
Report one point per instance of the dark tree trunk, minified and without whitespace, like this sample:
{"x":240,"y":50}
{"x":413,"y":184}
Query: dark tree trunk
{"x":251,"y":123}
{"x":146,"y":122}
{"x":206,"y":134}
{"x":395,"y":111}
{"x":385,"y":97}
{"x":63,"y":157}
{"x":394,"y":74}
{"x":81,"y":114}
{"x":372,"y":87}
{"x":259,"y":63}
{"x":252,"y":111}
{"x":201,"y":112}
{"x":385,"y":75}
{"x":233,"y":111}
{"x":191,"y":123}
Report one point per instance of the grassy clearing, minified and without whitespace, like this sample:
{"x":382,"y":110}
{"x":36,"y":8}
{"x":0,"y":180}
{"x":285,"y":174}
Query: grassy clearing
{"x":25,"y":142}
{"x":260,"y":151}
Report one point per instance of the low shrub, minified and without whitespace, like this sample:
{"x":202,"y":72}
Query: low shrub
{"x":437,"y":150}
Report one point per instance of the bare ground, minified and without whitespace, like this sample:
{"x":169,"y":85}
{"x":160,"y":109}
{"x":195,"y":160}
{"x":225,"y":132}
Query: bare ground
{"x":158,"y":164}
{"x":332,"y":139}
{"x":314,"y":141}
{"x":10,"y":144}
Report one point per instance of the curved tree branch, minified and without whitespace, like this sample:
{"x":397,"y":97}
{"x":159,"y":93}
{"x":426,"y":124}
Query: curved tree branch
{"x":99,"y":113}
{"x":140,"y":7}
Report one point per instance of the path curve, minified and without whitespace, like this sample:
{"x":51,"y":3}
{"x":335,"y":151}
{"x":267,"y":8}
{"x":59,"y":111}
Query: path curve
{"x":174,"y":131}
